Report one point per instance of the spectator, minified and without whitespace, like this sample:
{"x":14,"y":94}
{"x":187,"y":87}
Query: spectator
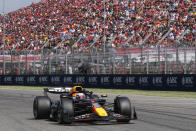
{"x":60,"y":24}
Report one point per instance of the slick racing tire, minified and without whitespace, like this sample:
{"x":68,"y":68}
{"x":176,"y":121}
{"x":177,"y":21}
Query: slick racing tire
{"x":122,"y":106}
{"x":65,"y":111}
{"x":41,"y":107}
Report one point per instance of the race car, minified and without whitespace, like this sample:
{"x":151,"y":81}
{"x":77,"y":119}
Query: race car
{"x":77,"y":104}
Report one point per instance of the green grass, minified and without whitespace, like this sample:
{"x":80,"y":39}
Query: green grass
{"x":181,"y":94}
{"x":23,"y":87}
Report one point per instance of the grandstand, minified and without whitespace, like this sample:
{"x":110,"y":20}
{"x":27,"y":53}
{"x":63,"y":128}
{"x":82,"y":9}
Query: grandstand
{"x":87,"y":26}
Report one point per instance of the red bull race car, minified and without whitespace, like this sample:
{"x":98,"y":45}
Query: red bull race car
{"x":77,"y":104}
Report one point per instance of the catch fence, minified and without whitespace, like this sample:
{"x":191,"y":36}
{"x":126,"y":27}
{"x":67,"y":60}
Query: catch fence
{"x":114,"y":61}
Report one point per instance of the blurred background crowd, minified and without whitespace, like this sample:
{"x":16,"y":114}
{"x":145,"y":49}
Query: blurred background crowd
{"x":85,"y":24}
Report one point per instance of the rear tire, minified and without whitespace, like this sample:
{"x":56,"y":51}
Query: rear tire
{"x":122,"y":106}
{"x":41,"y":107}
{"x":65,"y":111}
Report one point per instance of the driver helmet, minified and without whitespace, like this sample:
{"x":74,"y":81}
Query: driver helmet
{"x":77,"y":89}
{"x":78,"y":92}
{"x":80,"y":96}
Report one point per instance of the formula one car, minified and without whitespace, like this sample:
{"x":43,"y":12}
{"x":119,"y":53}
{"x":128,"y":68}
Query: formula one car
{"x":78,"y":104}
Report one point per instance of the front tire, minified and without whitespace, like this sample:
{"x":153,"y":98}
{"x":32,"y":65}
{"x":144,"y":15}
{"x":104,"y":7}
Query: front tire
{"x":41,"y":107}
{"x":122,"y":106}
{"x":65,"y":111}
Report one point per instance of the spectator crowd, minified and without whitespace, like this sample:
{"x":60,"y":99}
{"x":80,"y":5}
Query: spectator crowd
{"x":85,"y":24}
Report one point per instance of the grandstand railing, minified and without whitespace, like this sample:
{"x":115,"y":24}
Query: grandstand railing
{"x":158,"y":60}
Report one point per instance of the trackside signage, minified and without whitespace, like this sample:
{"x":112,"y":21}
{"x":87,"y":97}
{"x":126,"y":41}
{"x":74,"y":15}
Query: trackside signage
{"x":149,"y":82}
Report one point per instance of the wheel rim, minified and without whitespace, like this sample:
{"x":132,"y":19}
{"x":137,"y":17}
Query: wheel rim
{"x":35,"y":109}
{"x":118,"y":107}
{"x":35,"y":114}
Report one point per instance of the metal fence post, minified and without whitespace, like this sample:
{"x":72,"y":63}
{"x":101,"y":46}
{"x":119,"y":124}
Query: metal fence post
{"x":66,"y":63}
{"x":147,"y":64}
{"x":165,"y":51}
{"x":159,"y":64}
{"x":177,"y":59}
{"x":195,"y":59}
{"x":49,"y":63}
{"x":124,"y":64}
{"x":98,"y":65}
{"x":141,"y":59}
{"x":102,"y":71}
{"x":56,"y":56}
{"x":34,"y":62}
{"x":42,"y":61}
{"x":12,"y":64}
{"x":26,"y":62}
{"x":19,"y":66}
{"x":110,"y":71}
{"x":130,"y":62}
{"x":113,"y":66}
{"x":3,"y":62}
{"x":185,"y":62}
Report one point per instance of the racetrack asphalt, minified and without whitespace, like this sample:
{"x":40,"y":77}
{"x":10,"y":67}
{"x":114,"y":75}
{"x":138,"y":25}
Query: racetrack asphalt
{"x":154,"y":114}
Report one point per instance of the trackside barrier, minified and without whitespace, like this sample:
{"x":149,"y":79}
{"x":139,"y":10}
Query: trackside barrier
{"x":148,"y":82}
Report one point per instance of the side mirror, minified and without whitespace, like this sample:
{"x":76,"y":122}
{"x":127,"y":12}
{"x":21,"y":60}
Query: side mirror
{"x":104,"y":95}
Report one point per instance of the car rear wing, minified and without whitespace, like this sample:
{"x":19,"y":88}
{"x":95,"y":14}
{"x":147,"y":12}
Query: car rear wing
{"x":57,"y":90}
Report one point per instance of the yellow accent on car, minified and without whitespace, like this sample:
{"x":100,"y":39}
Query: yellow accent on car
{"x":100,"y":111}
{"x":105,"y":95}
{"x":74,"y":94}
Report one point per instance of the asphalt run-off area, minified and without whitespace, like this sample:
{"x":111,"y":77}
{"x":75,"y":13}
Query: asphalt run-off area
{"x":154,"y":114}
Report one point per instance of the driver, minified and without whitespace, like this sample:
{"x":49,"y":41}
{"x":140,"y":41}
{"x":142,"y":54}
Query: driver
{"x":78,"y":92}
